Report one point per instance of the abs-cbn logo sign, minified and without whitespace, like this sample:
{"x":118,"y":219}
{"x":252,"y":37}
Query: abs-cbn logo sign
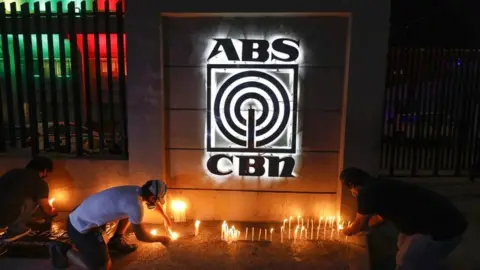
{"x":252,"y":89}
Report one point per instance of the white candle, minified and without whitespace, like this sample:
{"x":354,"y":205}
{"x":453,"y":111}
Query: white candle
{"x":302,"y":221}
{"x":281,"y":235}
{"x":289,"y":226}
{"x":295,"y":235}
{"x":318,"y":231}
{"x":266,"y":235}
{"x":284,"y":222}
{"x":260,"y":234}
{"x":311,"y":231}
{"x":246,"y":233}
{"x":271,"y":235}
{"x":197,"y":226}
{"x":253,"y":233}
{"x":301,"y":232}
{"x":222,"y":236}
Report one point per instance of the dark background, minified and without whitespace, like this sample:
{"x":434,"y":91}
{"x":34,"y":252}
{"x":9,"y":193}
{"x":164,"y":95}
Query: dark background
{"x":451,"y":23}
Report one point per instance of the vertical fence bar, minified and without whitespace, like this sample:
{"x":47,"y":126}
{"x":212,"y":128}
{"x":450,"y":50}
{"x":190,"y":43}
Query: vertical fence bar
{"x":86,"y":74}
{"x":31,"y":93}
{"x":416,"y":118}
{"x":41,"y":74}
{"x":121,"y":77}
{"x":470,"y":108}
{"x":98,"y":78}
{"x":396,"y":142}
{"x":76,"y":89}
{"x":385,"y":147}
{"x":111,"y":100}
{"x":396,"y":84}
{"x":447,"y":115}
{"x":435,"y":95}
{"x":457,"y":125}
{"x":476,"y":121}
{"x":441,"y":78}
{"x":473,"y":110}
{"x":424,"y":114}
{"x":2,"y":124}
{"x":52,"y":77}
{"x":18,"y":75}
{"x":8,"y":78}
{"x":63,"y":69}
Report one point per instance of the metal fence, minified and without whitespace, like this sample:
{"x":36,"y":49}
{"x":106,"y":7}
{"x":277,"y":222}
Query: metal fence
{"x":431,"y":121}
{"x":62,"y":79}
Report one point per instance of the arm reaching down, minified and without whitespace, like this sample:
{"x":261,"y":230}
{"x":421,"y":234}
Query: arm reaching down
{"x":46,"y":208}
{"x":143,"y":235}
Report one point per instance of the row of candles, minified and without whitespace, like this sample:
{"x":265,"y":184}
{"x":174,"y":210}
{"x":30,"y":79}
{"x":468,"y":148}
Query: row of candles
{"x":301,"y":232}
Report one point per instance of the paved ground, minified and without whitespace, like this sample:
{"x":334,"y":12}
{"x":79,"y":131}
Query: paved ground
{"x":207,"y":251}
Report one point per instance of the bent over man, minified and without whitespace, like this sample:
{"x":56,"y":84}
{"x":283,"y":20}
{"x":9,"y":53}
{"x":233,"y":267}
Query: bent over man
{"x":86,"y":225}
{"x":22,"y":192}
{"x":430,"y":226}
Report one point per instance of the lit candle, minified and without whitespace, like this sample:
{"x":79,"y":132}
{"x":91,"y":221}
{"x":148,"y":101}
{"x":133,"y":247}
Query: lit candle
{"x":51,"y":201}
{"x":246,"y":233}
{"x":325,"y":229}
{"x":260,"y":234}
{"x":224,"y":228}
{"x":173,"y":235}
{"x":197,"y":226}
{"x":308,"y":223}
{"x":266,"y":235}
{"x":253,"y":233}
{"x":153,"y":232}
{"x":271,"y":234}
{"x":340,"y":227}
{"x":281,"y":235}
{"x":284,"y":222}
{"x":311,"y":231}
{"x":302,"y":221}
{"x":301,"y":232}
{"x":289,"y":226}
{"x":295,"y":235}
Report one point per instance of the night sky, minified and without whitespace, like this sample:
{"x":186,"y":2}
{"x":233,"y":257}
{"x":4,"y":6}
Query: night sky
{"x":451,"y":23}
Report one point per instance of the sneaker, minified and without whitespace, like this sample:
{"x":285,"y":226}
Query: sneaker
{"x":120,"y":244}
{"x":58,"y":253}
{"x":14,"y":234}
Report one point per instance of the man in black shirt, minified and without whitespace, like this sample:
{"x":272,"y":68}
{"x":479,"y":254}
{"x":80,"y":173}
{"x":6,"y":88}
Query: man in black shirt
{"x":430,"y":226}
{"x":22,"y":191}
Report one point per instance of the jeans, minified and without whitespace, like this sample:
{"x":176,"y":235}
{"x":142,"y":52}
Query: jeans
{"x":421,"y":252}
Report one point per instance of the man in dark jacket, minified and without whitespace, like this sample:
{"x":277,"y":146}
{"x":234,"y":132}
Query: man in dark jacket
{"x":430,"y":226}
{"x":22,"y":192}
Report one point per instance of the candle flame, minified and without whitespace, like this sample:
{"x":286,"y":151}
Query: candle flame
{"x":271,"y":230}
{"x":153,"y":232}
{"x":173,"y":235}
{"x":51,"y":201}
{"x":179,"y":205}
{"x":197,"y":223}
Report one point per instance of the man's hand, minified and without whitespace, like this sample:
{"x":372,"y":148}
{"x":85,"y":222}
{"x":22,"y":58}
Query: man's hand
{"x":46,"y":208}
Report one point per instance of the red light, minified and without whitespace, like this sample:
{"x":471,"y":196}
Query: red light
{"x":111,"y":5}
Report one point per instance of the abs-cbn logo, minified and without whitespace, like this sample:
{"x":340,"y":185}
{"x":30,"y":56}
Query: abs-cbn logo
{"x":252,"y":89}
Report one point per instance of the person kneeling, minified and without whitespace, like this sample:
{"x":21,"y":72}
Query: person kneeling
{"x":86,"y":225}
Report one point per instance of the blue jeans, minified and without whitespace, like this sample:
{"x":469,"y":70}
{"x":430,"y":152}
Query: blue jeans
{"x":421,"y":252}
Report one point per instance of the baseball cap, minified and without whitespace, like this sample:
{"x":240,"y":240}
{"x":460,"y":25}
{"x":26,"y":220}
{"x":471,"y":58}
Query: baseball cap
{"x":158,"y":188}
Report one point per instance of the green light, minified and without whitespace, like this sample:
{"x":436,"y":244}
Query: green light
{"x":18,"y":3}
{"x":44,"y":53}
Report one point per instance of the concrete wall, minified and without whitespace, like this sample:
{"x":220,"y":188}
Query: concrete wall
{"x":323,"y":43}
{"x":171,"y":103}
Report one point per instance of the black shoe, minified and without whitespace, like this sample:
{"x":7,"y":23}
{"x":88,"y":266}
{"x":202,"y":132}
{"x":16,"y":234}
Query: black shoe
{"x":14,"y":234}
{"x":119,"y":243}
{"x":58,"y":253}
